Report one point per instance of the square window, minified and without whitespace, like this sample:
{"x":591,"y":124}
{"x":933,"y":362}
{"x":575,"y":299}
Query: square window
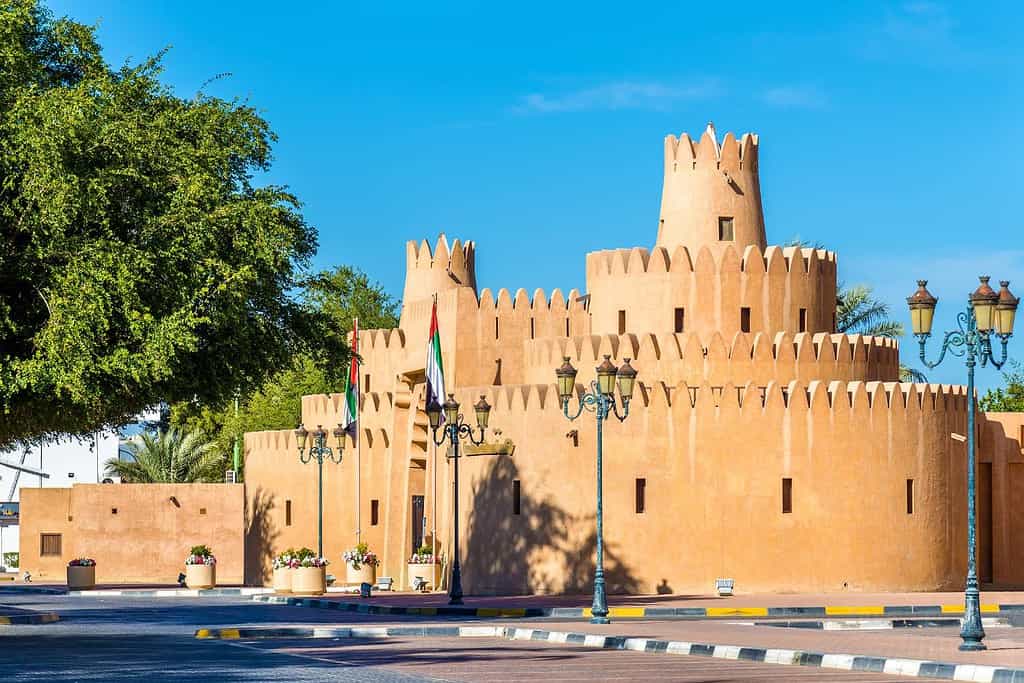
{"x":50,"y":544}
{"x":202,"y":511}
{"x":725,"y":229}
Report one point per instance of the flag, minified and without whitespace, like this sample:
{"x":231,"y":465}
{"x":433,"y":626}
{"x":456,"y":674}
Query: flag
{"x":435,"y":369}
{"x":350,"y":411}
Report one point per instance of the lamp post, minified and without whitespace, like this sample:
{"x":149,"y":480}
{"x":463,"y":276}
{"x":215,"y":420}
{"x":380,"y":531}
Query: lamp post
{"x":454,"y":429}
{"x":319,"y":451}
{"x":988,"y":313}
{"x":601,"y":401}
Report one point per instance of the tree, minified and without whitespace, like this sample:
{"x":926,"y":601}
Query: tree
{"x":173,"y":457}
{"x":138,"y":261}
{"x":1009,"y":399}
{"x":338,"y":295}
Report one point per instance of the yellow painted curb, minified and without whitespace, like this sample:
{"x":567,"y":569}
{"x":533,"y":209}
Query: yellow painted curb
{"x":203,"y":633}
{"x":229,"y":634}
{"x":5,"y":620}
{"x":221,"y":634}
{"x":737,"y":611}
{"x":626,"y":612}
{"x":990,"y":608}
{"x":847,"y":611}
{"x":952,"y":609}
{"x":424,"y":611}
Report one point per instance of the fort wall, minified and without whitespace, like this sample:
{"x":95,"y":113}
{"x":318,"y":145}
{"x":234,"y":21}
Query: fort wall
{"x":784,"y":290}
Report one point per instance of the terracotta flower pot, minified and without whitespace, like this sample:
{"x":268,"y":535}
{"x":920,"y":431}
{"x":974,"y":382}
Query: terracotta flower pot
{"x":283,"y":580}
{"x":365,"y":574}
{"x":200,"y":575}
{"x":81,"y":578}
{"x":430,"y":572}
{"x":309,"y":580}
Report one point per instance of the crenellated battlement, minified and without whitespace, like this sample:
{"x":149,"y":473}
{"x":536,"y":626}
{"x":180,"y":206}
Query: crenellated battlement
{"x":731,"y":155}
{"x":693,"y":358}
{"x":850,"y":398}
{"x":773,"y":260}
{"x":429,"y":272}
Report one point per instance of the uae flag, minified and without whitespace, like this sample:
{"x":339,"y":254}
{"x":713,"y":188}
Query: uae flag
{"x":435,"y":369}
{"x":350,"y":411}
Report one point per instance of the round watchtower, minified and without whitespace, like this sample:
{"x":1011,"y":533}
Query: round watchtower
{"x":711,"y":196}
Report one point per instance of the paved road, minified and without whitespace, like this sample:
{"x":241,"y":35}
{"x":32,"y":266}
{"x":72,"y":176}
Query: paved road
{"x":125,"y":639}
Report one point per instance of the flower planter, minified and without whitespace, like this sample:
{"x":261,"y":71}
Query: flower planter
{"x":309,"y":580}
{"x":367,"y":573}
{"x":200,"y":575}
{"x":431,"y":572}
{"x":81,"y":578}
{"x":283,"y":580}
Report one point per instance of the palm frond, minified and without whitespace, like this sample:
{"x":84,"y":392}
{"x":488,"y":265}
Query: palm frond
{"x":909,"y":374}
{"x":171,"y":457}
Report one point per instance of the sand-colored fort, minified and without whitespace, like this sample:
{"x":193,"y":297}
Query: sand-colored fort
{"x":745,"y":390}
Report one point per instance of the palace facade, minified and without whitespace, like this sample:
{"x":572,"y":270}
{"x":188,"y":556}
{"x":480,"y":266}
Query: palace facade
{"x":761,"y":444}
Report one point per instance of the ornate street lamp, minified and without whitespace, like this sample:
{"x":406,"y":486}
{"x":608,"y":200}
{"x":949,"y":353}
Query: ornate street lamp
{"x":988,"y":313}
{"x":319,"y":451}
{"x":454,"y":430}
{"x":600,"y":400}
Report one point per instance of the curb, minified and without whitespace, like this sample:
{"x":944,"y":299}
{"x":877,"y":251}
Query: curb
{"x":848,"y":662}
{"x":31,"y":590}
{"x":170,"y":593}
{"x":21,"y":619}
{"x":879,"y":624}
{"x":644,"y":612}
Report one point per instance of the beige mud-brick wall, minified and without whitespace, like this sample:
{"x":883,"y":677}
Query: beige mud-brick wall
{"x":148,"y":537}
{"x":45,"y":511}
{"x":1000,"y":491}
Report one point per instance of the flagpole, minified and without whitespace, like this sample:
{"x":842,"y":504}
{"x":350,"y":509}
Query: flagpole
{"x":433,"y":495}
{"x":359,"y":441}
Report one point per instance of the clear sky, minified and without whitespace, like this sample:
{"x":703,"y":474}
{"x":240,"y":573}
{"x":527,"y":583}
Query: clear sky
{"x":891,"y":132}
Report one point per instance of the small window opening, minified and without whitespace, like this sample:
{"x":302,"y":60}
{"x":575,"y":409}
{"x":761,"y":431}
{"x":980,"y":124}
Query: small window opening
{"x":533,"y":328}
{"x":287,"y":513}
{"x":910,"y":496}
{"x":366,"y":383}
{"x":803,"y":320}
{"x":202,"y":511}
{"x":113,"y":511}
{"x":622,"y":322}
{"x":641,"y":496}
{"x":744,"y":319}
{"x":49,"y":544}
{"x":787,"y":495}
{"x":680,"y":320}
{"x":495,"y":327}
{"x":516,"y":499}
{"x":725,"y":230}
{"x":374,"y":512}
{"x":566,"y":327}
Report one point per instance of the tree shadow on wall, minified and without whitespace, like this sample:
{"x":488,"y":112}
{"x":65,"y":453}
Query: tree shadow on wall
{"x":534,"y":551}
{"x":260,"y":535}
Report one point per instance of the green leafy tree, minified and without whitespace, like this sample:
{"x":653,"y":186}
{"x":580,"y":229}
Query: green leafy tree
{"x":1008,"y":399}
{"x":138,"y":260}
{"x":338,"y":296}
{"x":173,"y":457}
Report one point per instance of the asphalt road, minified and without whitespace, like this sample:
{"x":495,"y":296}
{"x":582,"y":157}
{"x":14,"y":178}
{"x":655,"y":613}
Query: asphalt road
{"x":152,"y":639}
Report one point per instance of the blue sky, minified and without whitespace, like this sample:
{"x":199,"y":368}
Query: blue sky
{"x":891,"y":132}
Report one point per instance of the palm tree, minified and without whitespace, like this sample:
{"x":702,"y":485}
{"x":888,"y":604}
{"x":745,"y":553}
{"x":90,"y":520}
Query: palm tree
{"x":173,"y":457}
